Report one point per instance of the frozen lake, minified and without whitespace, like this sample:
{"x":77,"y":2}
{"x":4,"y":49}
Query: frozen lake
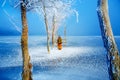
{"x":82,"y":58}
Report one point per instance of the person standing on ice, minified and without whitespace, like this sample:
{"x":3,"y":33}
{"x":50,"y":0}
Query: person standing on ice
{"x":59,"y":43}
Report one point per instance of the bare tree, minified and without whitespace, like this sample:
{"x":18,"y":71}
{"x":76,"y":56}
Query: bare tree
{"x":65,"y":39}
{"x":61,"y":10}
{"x":108,"y":40}
{"x":53,"y":31}
{"x":46,"y":23}
{"x":26,"y":74}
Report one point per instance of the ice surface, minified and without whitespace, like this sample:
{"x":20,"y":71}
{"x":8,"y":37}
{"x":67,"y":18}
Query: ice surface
{"x":83,"y":58}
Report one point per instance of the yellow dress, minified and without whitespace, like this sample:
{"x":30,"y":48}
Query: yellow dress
{"x":59,"y":43}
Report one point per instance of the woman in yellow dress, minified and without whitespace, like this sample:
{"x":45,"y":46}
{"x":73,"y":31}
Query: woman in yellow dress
{"x":59,"y":43}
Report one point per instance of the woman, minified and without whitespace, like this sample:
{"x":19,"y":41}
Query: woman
{"x":59,"y":43}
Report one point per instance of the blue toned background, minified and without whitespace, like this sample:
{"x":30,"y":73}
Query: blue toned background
{"x":84,"y":48}
{"x":88,"y":25}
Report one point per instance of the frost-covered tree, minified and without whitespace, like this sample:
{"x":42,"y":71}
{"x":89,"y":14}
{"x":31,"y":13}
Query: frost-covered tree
{"x":26,"y":74}
{"x":61,"y":10}
{"x":109,"y":41}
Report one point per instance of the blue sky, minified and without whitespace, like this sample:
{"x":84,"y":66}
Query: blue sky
{"x":88,"y":25}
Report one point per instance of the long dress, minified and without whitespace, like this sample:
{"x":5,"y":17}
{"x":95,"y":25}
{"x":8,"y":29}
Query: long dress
{"x":59,"y":43}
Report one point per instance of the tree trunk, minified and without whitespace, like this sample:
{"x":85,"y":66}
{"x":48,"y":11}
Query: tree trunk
{"x":65,"y":36}
{"x":26,"y":74}
{"x":108,"y":40}
{"x":46,"y":24}
{"x":53,"y":32}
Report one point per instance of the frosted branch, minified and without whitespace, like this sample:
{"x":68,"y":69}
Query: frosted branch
{"x":3,"y":3}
